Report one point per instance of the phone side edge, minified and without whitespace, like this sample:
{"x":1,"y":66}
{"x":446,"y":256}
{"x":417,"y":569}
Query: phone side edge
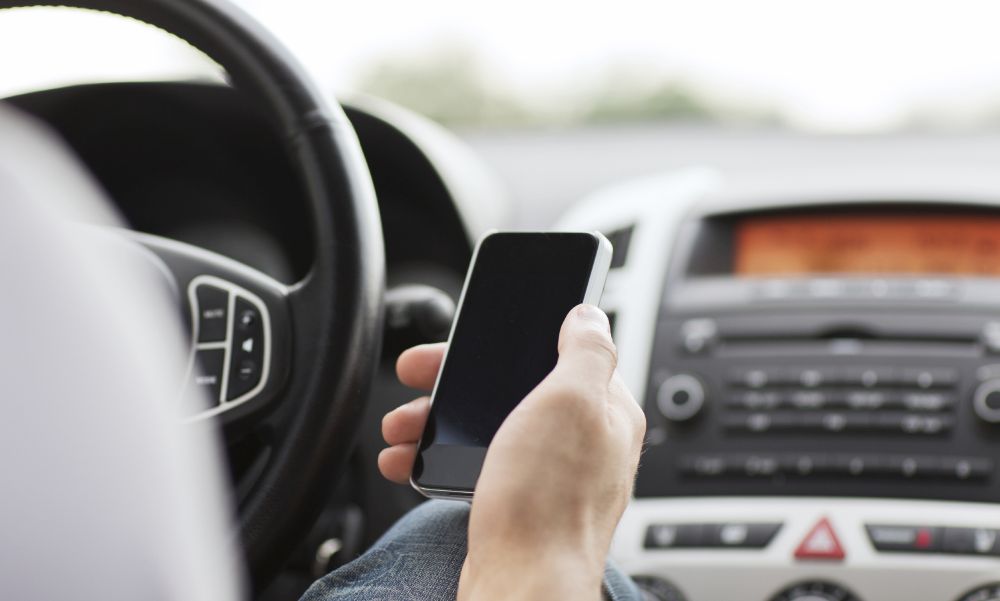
{"x":599,"y":271}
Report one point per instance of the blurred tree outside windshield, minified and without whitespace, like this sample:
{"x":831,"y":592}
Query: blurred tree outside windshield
{"x":451,"y":85}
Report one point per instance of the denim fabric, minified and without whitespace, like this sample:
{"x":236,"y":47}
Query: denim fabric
{"x":420,"y":558}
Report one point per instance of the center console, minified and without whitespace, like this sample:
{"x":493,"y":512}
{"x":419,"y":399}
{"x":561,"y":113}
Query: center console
{"x":821,"y":380}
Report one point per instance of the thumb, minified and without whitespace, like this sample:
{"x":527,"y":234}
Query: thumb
{"x":587,"y":354}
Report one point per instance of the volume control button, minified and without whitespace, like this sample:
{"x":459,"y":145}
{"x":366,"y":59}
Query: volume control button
{"x":680,"y":397}
{"x":986,"y":401}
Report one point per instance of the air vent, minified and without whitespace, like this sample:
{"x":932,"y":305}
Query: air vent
{"x":620,"y":240}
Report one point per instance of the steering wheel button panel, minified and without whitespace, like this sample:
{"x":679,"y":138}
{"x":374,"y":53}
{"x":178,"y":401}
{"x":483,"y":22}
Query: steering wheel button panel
{"x":233,"y":367}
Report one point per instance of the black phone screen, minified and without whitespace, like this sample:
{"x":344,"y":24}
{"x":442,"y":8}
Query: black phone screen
{"x":504,"y":343}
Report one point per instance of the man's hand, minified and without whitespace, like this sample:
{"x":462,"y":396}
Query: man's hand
{"x":557,"y":475}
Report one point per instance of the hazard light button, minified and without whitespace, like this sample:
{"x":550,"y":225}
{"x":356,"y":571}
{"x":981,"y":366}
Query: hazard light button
{"x":820,"y":543}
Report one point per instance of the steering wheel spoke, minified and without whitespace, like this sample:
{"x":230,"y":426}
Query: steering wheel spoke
{"x":240,"y":331}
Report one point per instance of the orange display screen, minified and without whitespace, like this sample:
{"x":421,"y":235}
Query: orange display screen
{"x":789,"y":245}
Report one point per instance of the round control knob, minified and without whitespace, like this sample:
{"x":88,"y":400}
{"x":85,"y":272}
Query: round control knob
{"x":680,"y":397}
{"x":815,"y":591}
{"x":983,"y":593}
{"x":986,"y":401}
{"x":657,"y":589}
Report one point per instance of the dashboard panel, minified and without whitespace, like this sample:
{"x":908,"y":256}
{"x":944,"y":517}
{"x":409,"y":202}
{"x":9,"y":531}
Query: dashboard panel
{"x":821,"y":381}
{"x":232,"y":190}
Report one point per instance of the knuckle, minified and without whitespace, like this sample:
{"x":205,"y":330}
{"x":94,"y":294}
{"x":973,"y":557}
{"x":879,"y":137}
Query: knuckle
{"x":573,"y":395}
{"x":600,"y":342}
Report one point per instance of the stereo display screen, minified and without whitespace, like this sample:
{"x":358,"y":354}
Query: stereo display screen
{"x":867,"y":244}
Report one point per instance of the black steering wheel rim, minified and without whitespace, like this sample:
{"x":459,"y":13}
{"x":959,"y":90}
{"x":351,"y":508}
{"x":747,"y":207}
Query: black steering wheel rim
{"x":336,"y":309}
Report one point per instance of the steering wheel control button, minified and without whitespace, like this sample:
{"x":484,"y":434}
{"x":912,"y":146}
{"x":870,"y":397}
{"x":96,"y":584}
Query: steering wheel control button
{"x":247,"y":352}
{"x":820,"y":543}
{"x":815,"y":591}
{"x":680,"y":397}
{"x":904,"y":539}
{"x":972,"y":541}
{"x":212,"y":313}
{"x":986,"y":401}
{"x":209,"y":370}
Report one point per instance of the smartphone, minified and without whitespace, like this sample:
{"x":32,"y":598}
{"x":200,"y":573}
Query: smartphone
{"x":503,"y":342}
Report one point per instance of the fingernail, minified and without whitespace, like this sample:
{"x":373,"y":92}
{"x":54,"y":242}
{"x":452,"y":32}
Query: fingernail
{"x":594,"y":317}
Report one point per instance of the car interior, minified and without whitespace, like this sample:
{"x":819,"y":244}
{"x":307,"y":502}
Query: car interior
{"x":808,"y":327}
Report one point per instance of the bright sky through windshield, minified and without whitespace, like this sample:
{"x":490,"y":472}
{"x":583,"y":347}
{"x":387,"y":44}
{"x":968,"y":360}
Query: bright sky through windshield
{"x":840,"y":65}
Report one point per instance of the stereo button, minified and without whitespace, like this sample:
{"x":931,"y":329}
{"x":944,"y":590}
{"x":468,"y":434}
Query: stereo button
{"x":904,"y":539}
{"x":972,"y":541}
{"x":740,"y":535}
{"x":986,"y":401}
{"x":866,"y":399}
{"x":680,"y":397}
{"x":927,"y":401}
{"x":870,"y":377}
{"x":674,"y":536}
{"x":929,"y":378}
{"x":755,"y":400}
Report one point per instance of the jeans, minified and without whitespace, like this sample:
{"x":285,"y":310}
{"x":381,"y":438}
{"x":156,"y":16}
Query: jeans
{"x":420,"y":558}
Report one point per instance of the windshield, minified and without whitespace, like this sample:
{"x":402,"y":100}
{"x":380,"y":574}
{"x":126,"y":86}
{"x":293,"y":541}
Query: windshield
{"x":829,"y":67}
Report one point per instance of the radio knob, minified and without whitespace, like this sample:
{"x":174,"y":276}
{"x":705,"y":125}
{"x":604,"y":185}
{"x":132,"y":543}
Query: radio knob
{"x":680,"y":397}
{"x":815,"y":591}
{"x":986,"y":401}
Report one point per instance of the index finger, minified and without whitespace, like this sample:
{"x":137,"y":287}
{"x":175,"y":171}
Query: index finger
{"x":418,"y":367}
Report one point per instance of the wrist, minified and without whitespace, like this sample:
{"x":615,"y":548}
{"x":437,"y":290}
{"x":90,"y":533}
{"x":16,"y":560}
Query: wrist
{"x":530,"y":573}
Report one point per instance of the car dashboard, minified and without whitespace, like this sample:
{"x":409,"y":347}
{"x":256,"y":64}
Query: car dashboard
{"x":818,"y":356}
{"x":819,"y":368}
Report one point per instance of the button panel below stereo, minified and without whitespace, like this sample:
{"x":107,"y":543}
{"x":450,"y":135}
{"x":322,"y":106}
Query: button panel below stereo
{"x":715,"y":535}
{"x":817,"y":400}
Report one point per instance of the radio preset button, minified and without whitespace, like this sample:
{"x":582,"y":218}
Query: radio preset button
{"x":755,"y":400}
{"x":866,"y":399}
{"x":927,"y":401}
{"x":698,"y":335}
{"x":870,"y":377}
{"x":991,"y":337}
{"x":929,"y":377}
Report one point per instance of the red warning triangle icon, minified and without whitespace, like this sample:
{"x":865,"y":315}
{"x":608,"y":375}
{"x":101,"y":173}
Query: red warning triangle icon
{"x":820,"y":543}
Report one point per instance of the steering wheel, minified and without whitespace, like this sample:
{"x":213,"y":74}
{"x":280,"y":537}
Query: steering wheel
{"x":292,"y":361}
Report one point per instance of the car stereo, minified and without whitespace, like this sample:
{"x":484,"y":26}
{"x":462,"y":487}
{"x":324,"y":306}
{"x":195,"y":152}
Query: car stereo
{"x":834,"y":353}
